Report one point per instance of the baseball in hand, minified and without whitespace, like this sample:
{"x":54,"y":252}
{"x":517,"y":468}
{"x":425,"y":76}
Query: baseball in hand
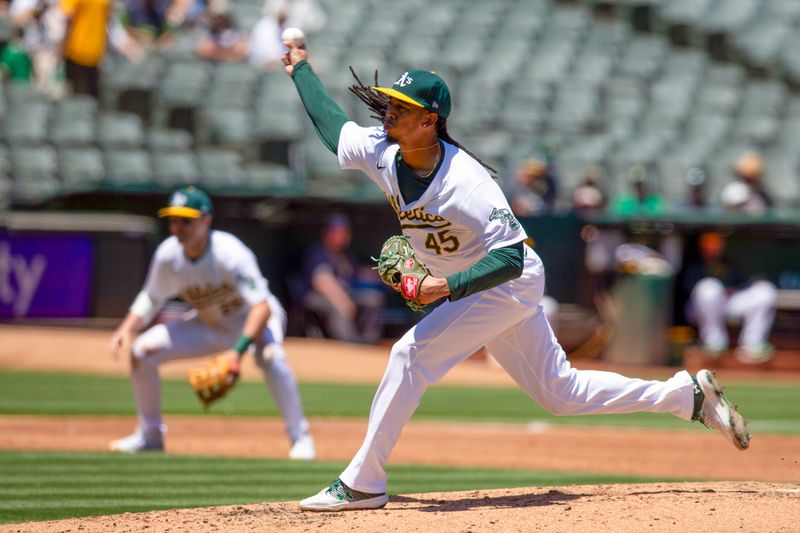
{"x":293,"y":34}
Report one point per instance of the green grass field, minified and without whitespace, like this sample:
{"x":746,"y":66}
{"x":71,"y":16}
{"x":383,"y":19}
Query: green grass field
{"x":46,"y":486}
{"x":769,"y":408}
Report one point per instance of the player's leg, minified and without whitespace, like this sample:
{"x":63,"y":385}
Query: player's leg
{"x":270,"y":356}
{"x":531,"y":354}
{"x":448,"y":335}
{"x":160,"y":343}
{"x":756,"y":306}
{"x":708,"y":301}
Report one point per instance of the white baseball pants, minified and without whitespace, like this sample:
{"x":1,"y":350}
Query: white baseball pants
{"x":509,"y":321}
{"x":190,"y":337}
{"x":711,"y":305}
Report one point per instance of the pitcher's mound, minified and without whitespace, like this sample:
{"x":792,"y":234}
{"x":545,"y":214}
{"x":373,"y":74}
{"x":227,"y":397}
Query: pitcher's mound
{"x":679,"y":507}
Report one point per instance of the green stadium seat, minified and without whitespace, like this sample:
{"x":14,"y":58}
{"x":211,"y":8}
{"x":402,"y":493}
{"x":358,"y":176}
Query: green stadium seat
{"x":131,"y":87}
{"x":120,"y":129}
{"x":6,"y":189}
{"x":220,"y":167}
{"x":226,"y":127}
{"x":263,"y":176}
{"x":167,"y":140}
{"x":74,"y":121}
{"x":35,"y":172}
{"x":128,"y":167}
{"x":26,"y":123}
{"x":5,"y":160}
{"x":175,"y":168}
{"x":81,"y":169}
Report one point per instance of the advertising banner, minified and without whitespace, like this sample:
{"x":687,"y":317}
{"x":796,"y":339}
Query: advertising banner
{"x":45,"y":276}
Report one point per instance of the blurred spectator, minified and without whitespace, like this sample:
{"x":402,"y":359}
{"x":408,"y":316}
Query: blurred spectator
{"x":588,"y":195}
{"x":266,"y":47}
{"x":641,"y":199}
{"x":85,"y":43}
{"x":147,"y":22}
{"x":534,"y":187}
{"x":746,"y":192}
{"x":224,"y":41}
{"x":696,"y":186}
{"x":343,"y":295}
{"x":715,"y":291}
{"x":15,"y":63}
{"x":44,"y":28}
{"x":186,"y":12}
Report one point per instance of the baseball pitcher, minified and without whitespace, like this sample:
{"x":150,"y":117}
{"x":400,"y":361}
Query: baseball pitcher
{"x":458,"y":225}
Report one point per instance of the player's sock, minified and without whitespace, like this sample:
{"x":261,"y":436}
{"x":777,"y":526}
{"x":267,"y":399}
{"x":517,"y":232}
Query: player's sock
{"x":698,"y":399}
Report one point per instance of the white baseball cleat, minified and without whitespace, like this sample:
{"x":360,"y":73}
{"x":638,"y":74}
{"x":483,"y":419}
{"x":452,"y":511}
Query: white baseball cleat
{"x":718,"y":413}
{"x":303,"y":449}
{"x":340,"y":497}
{"x":141,"y":440}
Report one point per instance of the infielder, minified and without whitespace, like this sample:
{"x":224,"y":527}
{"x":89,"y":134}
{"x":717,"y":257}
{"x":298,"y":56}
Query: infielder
{"x":233,"y":310}
{"x":460,"y":225}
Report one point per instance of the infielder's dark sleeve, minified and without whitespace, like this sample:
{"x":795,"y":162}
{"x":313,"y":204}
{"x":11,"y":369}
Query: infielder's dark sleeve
{"x":326,"y":115}
{"x":499,"y":266}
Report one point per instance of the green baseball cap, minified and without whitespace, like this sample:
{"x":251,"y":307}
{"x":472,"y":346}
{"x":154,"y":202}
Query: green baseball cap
{"x":423,"y":88}
{"x":188,"y":202}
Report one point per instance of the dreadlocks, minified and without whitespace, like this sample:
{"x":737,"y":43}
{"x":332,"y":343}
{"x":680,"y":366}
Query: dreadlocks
{"x":378,"y":103}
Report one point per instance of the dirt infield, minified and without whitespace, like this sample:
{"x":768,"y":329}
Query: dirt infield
{"x":687,"y":454}
{"x":653,"y":507}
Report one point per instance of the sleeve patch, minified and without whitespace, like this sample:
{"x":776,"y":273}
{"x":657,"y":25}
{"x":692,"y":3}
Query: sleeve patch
{"x":505,"y":217}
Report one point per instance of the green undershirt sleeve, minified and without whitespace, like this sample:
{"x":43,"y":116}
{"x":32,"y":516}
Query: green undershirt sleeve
{"x":499,"y":266}
{"x":326,"y":115}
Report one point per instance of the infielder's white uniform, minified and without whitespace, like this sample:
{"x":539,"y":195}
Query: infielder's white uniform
{"x":460,"y":218}
{"x":755,"y":304}
{"x":221,"y":286}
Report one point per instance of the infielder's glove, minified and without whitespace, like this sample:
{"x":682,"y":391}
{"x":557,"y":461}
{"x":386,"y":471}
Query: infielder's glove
{"x":214,"y":379}
{"x":398,"y":267}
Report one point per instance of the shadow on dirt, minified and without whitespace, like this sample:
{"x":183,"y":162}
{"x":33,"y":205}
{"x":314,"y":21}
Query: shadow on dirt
{"x":552,"y":497}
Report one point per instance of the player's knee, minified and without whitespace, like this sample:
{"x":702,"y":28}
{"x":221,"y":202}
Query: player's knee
{"x":561,"y":395}
{"x":764,"y":294}
{"x":708,"y":290}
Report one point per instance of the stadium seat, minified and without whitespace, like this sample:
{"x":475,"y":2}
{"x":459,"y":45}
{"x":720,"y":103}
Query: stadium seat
{"x":167,"y":140}
{"x":35,"y":172}
{"x":220,"y":167}
{"x":120,"y":129}
{"x":81,"y":169}
{"x":266,"y":177}
{"x":175,"y":168}
{"x":74,"y":121}
{"x":26,"y":123}
{"x":128,"y":167}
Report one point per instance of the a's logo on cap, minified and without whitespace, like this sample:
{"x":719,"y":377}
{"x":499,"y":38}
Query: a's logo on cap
{"x":435,"y":104}
{"x":404,"y":80}
{"x":179,"y":199}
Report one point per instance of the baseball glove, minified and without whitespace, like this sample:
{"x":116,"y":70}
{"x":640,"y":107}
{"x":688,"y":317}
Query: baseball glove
{"x":214,"y":379}
{"x":398,"y":267}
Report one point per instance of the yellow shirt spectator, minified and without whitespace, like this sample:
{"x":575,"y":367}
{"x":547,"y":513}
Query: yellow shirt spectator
{"x":86,"y":33}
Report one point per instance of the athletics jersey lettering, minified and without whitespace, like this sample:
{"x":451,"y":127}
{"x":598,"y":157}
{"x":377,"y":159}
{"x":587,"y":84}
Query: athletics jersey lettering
{"x":225,"y":295}
{"x":416,"y":218}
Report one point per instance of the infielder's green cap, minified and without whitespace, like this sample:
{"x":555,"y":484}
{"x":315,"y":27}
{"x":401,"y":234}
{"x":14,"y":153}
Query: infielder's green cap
{"x":422,"y":88}
{"x":188,"y":202}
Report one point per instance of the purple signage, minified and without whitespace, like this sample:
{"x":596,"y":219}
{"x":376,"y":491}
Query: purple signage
{"x":45,"y":276}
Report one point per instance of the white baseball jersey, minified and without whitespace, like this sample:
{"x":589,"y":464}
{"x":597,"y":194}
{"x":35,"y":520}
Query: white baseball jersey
{"x":221,"y":286}
{"x":461,"y":217}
